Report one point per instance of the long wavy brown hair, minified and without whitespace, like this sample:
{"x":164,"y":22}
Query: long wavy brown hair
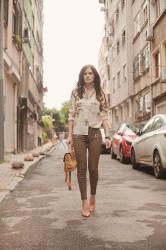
{"x":79,"y":91}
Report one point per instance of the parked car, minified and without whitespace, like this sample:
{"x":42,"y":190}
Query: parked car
{"x":121,"y":142}
{"x":150,"y":147}
{"x":104,"y":150}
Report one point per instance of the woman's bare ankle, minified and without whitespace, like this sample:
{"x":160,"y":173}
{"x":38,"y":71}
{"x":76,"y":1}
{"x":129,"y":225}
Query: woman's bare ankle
{"x":85,"y":204}
{"x":92,"y":199}
{"x":85,"y":208}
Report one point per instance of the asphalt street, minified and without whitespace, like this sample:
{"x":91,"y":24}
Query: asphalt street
{"x":41,"y":214}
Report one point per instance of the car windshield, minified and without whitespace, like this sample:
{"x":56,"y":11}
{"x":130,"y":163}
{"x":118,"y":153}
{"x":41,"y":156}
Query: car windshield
{"x":128,"y":131}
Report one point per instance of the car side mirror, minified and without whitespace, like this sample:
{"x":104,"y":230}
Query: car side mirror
{"x":139,"y":132}
{"x":119,"y":133}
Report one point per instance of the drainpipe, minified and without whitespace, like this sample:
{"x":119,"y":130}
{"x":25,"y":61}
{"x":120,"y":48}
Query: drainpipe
{"x":15,"y":118}
{"x":1,"y":83}
{"x":150,"y":48}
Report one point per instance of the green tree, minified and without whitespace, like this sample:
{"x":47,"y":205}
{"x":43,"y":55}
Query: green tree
{"x":47,"y":128}
{"x":64,"y":112}
{"x":58,"y":125}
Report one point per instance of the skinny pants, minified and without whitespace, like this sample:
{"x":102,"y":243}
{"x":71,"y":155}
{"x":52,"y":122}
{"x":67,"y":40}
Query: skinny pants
{"x":87,"y":150}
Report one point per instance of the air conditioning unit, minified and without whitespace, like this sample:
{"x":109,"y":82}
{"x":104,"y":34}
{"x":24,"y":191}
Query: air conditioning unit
{"x":140,"y":65}
{"x":163,"y":75}
{"x":22,"y":102}
{"x":149,"y":36}
{"x":26,"y":36}
{"x":153,"y":2}
{"x":110,"y":29}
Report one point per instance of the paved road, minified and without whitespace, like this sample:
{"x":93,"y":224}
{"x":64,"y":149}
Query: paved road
{"x":41,"y":214}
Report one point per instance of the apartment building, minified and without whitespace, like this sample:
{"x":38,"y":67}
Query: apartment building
{"x":141,"y":61}
{"x":137,"y":51}
{"x":32,"y":91}
{"x":23,"y":72}
{"x":158,"y":55}
{"x":12,"y":70}
{"x":119,"y":56}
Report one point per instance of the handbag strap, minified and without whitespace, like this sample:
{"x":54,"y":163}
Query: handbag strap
{"x":68,"y":180}
{"x":70,"y":148}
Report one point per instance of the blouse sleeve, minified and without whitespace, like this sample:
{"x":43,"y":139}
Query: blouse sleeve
{"x":103,"y":107}
{"x":72,"y":107}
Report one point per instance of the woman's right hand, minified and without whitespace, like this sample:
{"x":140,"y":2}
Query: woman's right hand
{"x":69,"y":140}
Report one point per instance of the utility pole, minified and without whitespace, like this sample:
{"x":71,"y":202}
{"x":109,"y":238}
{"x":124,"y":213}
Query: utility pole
{"x":1,"y":82}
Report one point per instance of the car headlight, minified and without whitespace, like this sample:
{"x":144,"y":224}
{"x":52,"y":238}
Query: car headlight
{"x":128,"y":143}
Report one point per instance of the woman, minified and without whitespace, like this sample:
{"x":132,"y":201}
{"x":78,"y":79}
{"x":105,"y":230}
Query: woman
{"x":87,"y":113}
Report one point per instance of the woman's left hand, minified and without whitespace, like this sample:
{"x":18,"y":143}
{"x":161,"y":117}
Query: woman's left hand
{"x":108,"y":143}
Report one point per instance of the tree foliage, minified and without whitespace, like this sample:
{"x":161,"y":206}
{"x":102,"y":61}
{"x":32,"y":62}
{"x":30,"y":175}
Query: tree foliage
{"x":64,"y":112}
{"x":59,"y":117}
{"x":47,"y":128}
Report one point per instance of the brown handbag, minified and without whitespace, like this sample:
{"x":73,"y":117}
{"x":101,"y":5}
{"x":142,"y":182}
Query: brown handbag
{"x":70,"y":165}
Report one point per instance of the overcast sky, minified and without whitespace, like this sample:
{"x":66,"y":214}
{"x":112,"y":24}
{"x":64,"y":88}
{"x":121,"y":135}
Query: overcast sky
{"x":72,"y":38}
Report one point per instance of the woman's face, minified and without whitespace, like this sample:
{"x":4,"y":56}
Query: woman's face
{"x":88,"y":76}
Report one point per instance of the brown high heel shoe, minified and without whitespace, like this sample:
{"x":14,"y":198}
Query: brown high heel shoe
{"x":87,"y":214}
{"x":85,"y":209}
{"x":92,"y":207}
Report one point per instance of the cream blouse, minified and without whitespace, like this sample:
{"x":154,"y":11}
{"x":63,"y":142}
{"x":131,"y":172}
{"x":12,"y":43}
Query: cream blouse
{"x":86,"y":113}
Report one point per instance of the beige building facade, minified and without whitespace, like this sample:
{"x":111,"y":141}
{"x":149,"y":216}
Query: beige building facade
{"x":141,"y":61}
{"x":158,"y":56}
{"x":23,"y":72}
{"x":136,"y":48}
{"x":119,"y":57}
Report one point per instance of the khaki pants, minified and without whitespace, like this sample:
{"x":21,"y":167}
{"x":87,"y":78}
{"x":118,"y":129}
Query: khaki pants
{"x":92,"y":143}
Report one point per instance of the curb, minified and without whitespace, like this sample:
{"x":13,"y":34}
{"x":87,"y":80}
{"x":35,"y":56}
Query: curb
{"x":25,"y":171}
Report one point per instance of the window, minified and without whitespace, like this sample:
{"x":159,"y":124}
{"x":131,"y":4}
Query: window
{"x":145,"y":12}
{"x":108,"y":71}
{"x":145,"y":58}
{"x":137,"y":24}
{"x":123,"y":37}
{"x":136,"y":67}
{"x":121,"y":113}
{"x":141,"y":103}
{"x":147,"y":100}
{"x":122,"y":3}
{"x":113,"y":52}
{"x":17,"y":23}
{"x":148,"y":127}
{"x":144,"y":103}
{"x":124,"y":72}
{"x":158,"y":123}
{"x":157,"y":64}
{"x":6,"y":9}
{"x":113,"y":82}
{"x":118,"y":47}
{"x":118,"y":79}
{"x":117,"y":14}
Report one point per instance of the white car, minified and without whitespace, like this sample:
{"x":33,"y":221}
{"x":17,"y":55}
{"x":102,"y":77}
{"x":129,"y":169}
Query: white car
{"x":150,"y":147}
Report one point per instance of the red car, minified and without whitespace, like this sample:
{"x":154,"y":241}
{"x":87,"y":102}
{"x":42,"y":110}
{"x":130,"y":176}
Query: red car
{"x":121,"y":143}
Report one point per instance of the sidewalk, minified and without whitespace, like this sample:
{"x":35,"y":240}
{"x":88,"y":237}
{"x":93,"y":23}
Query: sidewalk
{"x":10,"y":177}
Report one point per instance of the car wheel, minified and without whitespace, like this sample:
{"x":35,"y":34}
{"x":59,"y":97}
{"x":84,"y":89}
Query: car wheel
{"x":113,"y":156}
{"x":121,"y":156}
{"x":157,"y":166}
{"x":135,"y":164}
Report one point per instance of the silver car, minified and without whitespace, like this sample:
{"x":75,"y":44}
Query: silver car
{"x":150,"y":147}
